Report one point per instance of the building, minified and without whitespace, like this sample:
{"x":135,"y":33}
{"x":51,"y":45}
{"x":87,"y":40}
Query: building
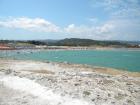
{"x":5,"y":47}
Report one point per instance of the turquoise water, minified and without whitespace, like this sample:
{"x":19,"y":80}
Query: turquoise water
{"x":119,"y":59}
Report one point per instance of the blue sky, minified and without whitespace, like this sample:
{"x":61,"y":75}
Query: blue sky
{"x":57,"y":19}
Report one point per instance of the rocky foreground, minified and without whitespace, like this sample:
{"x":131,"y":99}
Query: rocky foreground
{"x":45,"y":83}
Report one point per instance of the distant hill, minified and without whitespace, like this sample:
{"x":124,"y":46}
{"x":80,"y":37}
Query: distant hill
{"x":85,"y":42}
{"x":77,"y":42}
{"x":131,"y":42}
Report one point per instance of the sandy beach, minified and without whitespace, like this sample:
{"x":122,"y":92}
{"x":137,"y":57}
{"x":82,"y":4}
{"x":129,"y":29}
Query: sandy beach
{"x":48,"y":83}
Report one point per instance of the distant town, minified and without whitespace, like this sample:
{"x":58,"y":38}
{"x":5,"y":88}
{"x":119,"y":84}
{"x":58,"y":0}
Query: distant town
{"x":71,"y":43}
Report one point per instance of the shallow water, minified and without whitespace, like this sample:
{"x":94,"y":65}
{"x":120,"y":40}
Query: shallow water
{"x":119,"y":59}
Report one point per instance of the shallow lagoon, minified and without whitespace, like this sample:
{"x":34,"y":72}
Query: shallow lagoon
{"x":119,"y":59}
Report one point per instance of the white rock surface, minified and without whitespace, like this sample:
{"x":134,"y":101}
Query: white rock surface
{"x":38,"y":83}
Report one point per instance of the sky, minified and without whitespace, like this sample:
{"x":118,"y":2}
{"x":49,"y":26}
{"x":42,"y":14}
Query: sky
{"x":58,"y":19}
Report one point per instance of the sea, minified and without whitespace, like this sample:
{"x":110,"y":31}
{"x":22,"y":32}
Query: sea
{"x":122,"y":59}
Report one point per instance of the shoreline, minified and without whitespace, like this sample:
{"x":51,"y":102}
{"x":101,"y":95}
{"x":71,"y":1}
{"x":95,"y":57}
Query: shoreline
{"x":99,"y":69}
{"x":75,"y":48}
{"x":29,"y":51}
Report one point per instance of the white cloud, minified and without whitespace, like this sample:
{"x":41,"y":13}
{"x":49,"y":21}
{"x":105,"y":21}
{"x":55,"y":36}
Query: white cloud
{"x":94,"y":20}
{"x":130,"y":13}
{"x":115,"y":29}
{"x":124,"y":16}
{"x":107,"y":4}
{"x":36,"y":24}
{"x":106,"y":28}
{"x":115,"y":4}
{"x":93,"y":32}
{"x":126,"y":29}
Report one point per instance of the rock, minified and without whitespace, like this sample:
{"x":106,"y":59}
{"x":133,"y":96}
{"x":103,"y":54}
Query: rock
{"x":86,"y":93}
{"x":129,"y":83}
{"x":109,"y":95}
{"x":9,"y":71}
{"x":76,"y":84}
{"x":130,"y":102}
